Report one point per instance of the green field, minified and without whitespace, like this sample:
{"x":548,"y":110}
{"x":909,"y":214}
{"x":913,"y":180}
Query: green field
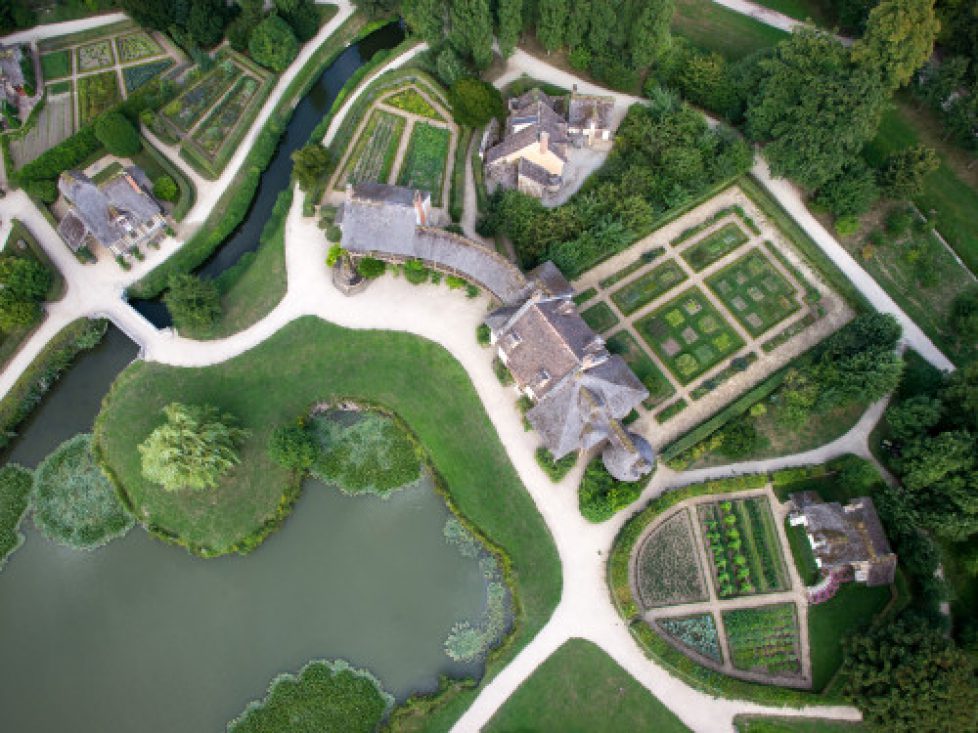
{"x":817,"y":11}
{"x":425,"y":159}
{"x":643,"y":290}
{"x":713,"y":27}
{"x":755,"y":292}
{"x":580,"y":689}
{"x":660,"y":388}
{"x":96,"y":94}
{"x":795,"y":725}
{"x":56,"y":65}
{"x":600,"y":317}
{"x":689,"y":335}
{"x":711,"y":248}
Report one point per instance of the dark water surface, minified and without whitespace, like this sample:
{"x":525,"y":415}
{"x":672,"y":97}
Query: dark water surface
{"x":308,"y":113}
{"x":141,"y":636}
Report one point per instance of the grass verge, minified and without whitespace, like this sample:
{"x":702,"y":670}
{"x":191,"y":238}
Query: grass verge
{"x":713,"y":27}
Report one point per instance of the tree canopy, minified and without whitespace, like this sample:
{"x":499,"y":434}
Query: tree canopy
{"x":23,"y":285}
{"x":192,"y":301}
{"x":192,"y":449}
{"x":310,"y":164}
{"x":475,"y":102}
{"x":899,"y":38}
{"x":273,"y":44}
{"x":117,"y":134}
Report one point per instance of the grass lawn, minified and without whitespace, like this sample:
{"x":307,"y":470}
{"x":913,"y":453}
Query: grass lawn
{"x":689,"y":335}
{"x":713,"y":27}
{"x":643,"y":290}
{"x":581,"y":689}
{"x":424,"y":161}
{"x":308,"y":361}
{"x":851,"y":609}
{"x":795,"y":725}
{"x":953,"y":200}
{"x":56,"y":65}
{"x":817,"y":11}
{"x":96,"y":94}
{"x":755,"y":292}
{"x":600,"y":317}
{"x":659,"y":386}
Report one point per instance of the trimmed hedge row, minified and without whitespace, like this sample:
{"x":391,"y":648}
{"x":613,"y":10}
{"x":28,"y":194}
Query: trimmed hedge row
{"x":655,"y":646}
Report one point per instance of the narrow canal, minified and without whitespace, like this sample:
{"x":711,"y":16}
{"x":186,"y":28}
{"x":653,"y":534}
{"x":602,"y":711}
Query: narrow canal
{"x":307,"y":115}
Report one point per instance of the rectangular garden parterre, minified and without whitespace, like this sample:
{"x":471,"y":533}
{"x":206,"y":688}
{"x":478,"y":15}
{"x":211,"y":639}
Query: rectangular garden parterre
{"x":667,"y":566}
{"x":764,"y":639}
{"x":373,"y":157}
{"x":755,"y":292}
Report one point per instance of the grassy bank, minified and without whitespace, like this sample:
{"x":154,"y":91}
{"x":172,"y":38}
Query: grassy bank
{"x":580,"y":688}
{"x":713,"y":27}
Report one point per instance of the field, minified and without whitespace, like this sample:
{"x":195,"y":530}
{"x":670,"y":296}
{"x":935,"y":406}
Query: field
{"x":137,"y":76}
{"x":643,"y":290}
{"x":659,"y":387}
{"x":689,"y":335}
{"x":667,"y":569}
{"x":425,"y":159}
{"x":600,"y":317}
{"x":136,"y":46}
{"x":94,"y":56}
{"x":56,"y":65}
{"x":213,"y":132}
{"x":96,"y":94}
{"x":714,"y":246}
{"x":580,"y":689}
{"x":715,"y":28}
{"x":373,"y":157}
{"x":755,"y":292}
{"x":186,"y":109}
{"x":742,"y":540}
{"x":697,"y":632}
{"x":764,"y":639}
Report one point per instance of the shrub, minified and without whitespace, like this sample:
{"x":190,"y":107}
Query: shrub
{"x":851,"y":192}
{"x":600,"y":495}
{"x":449,"y":66}
{"x":293,"y":447}
{"x":846,"y":226}
{"x":273,"y":44}
{"x":899,"y":221}
{"x":166,"y":189}
{"x":483,"y":334}
{"x":556,"y":470}
{"x":334,"y":233}
{"x":117,"y":134}
{"x":44,"y":190}
{"x":192,"y":301}
{"x":371,"y":268}
{"x":67,"y":154}
{"x":74,"y":503}
{"x":501,"y":372}
{"x":475,"y":102}
{"x":15,"y":497}
{"x":416,"y":273}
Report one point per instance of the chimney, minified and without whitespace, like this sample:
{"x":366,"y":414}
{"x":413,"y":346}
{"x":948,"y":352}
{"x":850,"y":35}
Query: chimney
{"x":544,"y":142}
{"x":421,"y":214}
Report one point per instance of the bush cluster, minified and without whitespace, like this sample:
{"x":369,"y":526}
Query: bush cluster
{"x":601,"y":495}
{"x":15,"y":498}
{"x":555,"y":470}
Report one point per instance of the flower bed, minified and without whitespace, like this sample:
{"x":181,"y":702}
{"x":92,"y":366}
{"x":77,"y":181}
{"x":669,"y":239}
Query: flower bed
{"x":136,"y":46}
{"x":96,"y":55}
{"x":667,"y":569}
{"x":697,"y":632}
{"x":710,"y":249}
{"x":764,"y":639}
{"x":643,"y":290}
{"x":600,"y":317}
{"x":137,"y":76}
{"x":213,"y":132}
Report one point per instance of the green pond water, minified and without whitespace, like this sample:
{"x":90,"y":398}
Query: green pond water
{"x":141,"y":636}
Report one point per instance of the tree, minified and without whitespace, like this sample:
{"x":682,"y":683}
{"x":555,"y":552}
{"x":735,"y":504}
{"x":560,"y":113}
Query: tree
{"x":551,"y":18}
{"x":853,"y":191}
{"x":964,"y":315}
{"x":576,"y":28}
{"x":44,"y":189}
{"x":472,"y":30}
{"x":150,"y":13}
{"x":310,"y":164}
{"x":898,"y":40}
{"x":909,"y":678}
{"x":815,"y":107}
{"x":426,"y":18}
{"x":192,"y":449}
{"x":859,"y":361}
{"x":117,"y":134}
{"x":166,"y":189}
{"x":902,"y":175}
{"x":449,"y":66}
{"x":23,"y":278}
{"x":193,"y":302}
{"x":273,"y":44}
{"x":509,"y":23}
{"x":301,"y":15}
{"x":292,"y":447}
{"x":206,"y":21}
{"x":475,"y":102}
{"x":914,"y":416}
{"x":239,"y":31}
{"x":649,"y":32}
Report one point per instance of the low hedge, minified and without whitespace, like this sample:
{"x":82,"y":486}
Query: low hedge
{"x":457,"y":198}
{"x":44,"y":371}
{"x":655,"y":647}
{"x":15,"y":498}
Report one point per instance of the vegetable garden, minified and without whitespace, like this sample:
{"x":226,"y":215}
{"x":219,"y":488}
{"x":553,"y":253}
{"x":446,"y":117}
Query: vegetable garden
{"x":764,"y":639}
{"x":186,"y":109}
{"x":136,"y":46}
{"x":667,"y":568}
{"x":697,"y":632}
{"x":94,"y":56}
{"x":424,"y":162}
{"x":96,"y":94}
{"x":212,"y":133}
{"x":137,"y":76}
{"x":373,"y":156}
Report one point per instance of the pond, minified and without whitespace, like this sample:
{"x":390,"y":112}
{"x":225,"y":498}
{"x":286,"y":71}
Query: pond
{"x":140,"y":635}
{"x":308,"y":113}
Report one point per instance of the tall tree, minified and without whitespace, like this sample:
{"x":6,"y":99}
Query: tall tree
{"x":193,"y":302}
{"x":509,"y":23}
{"x":648,"y":34}
{"x":903,"y":173}
{"x":192,"y":449}
{"x":551,"y":19}
{"x":310,"y":164}
{"x":814,"y":107}
{"x":578,"y":22}
{"x":426,"y":18}
{"x":150,"y":13}
{"x":472,"y":30}
{"x":899,"y":38}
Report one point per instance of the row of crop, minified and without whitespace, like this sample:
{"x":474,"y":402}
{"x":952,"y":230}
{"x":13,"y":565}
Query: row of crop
{"x":768,"y":543}
{"x":763,"y":638}
{"x":722,"y":535}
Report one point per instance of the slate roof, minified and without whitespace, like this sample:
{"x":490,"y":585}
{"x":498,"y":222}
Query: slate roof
{"x":585,"y":107}
{"x":551,"y":280}
{"x":10,"y":65}
{"x":528,"y":169}
{"x":96,"y":208}
{"x":627,"y":456}
{"x":536,"y":111}
{"x":378,"y":217}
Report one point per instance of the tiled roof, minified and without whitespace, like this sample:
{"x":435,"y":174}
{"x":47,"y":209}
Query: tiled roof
{"x":583,"y":108}
{"x":98,"y":207}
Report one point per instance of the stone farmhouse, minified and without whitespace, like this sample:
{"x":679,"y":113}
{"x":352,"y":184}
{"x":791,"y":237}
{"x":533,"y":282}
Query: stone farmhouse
{"x":117,"y":214}
{"x":540,"y":133}
{"x":581,"y":392}
{"x":848,"y":541}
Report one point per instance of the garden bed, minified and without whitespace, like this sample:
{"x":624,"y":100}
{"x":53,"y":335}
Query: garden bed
{"x":97,"y":93}
{"x":214,"y":132}
{"x":667,"y":567}
{"x":754,"y":291}
{"x":186,"y":109}
{"x":411,"y":100}
{"x":715,"y":246}
{"x":137,"y":76}
{"x":136,"y":46}
{"x":600,"y":317}
{"x":698,"y":633}
{"x":425,"y":160}
{"x":764,"y":639}
{"x":94,"y":56}
{"x":643,"y":290}
{"x":56,"y":65}
{"x":642,"y":365}
{"x":373,"y":156}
